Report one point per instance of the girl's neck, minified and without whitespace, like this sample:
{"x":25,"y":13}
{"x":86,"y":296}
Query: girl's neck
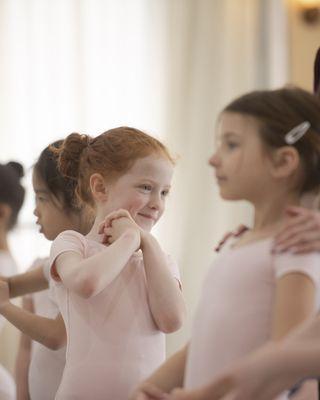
{"x":270,"y":215}
{"x":93,"y":233}
{"x":4,"y":246}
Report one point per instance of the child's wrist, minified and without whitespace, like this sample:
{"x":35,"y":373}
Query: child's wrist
{"x":146,"y":237}
{"x":133,"y":235}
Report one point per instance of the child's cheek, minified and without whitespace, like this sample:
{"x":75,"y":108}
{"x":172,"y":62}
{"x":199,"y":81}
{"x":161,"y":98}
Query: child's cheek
{"x":135,"y":205}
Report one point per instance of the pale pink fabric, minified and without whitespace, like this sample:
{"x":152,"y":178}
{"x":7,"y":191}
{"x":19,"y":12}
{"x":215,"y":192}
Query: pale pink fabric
{"x":8,"y":267}
{"x":46,"y":366}
{"x":113,"y":342}
{"x":234,"y":314}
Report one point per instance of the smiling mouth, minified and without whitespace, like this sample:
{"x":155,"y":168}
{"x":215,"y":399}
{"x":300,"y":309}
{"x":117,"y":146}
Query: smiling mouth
{"x":147,"y":217}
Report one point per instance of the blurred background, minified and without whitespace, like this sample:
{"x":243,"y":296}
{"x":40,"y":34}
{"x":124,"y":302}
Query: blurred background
{"x":163,"y":66}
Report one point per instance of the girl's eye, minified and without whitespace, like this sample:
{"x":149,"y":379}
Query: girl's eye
{"x":40,"y":198}
{"x":165,"y":193}
{"x":146,"y":188}
{"x":232,"y":145}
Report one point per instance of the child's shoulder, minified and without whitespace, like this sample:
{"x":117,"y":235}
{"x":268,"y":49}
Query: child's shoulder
{"x":231,"y":235}
{"x":69,"y":236}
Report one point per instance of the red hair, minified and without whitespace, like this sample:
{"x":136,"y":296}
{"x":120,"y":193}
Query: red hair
{"x":110,"y":154}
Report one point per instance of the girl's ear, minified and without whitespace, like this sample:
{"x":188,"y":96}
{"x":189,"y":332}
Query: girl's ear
{"x":98,"y":187}
{"x":5,"y":214}
{"x":286,"y":161}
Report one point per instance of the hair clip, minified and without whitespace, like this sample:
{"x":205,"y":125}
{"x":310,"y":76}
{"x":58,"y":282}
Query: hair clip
{"x":297,"y":132}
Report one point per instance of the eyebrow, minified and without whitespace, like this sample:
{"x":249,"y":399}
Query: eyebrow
{"x":148,"y":180}
{"x":228,"y":134}
{"x":41,"y":191}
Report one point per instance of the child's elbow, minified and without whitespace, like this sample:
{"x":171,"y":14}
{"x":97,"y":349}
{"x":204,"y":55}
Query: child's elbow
{"x":56,"y":342}
{"x":86,"y":287}
{"x":54,"y":345}
{"x":171,"y":324}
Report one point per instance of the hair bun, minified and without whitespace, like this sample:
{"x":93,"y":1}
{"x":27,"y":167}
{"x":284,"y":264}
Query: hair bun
{"x":17,"y":167}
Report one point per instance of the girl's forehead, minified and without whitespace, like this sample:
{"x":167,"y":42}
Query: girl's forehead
{"x":37,"y":181}
{"x":151,"y":165}
{"x":236,"y":125}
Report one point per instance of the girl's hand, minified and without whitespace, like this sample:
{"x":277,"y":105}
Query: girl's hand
{"x":4,"y":293}
{"x":115,"y":224}
{"x":301,"y":234}
{"x":148,"y":391}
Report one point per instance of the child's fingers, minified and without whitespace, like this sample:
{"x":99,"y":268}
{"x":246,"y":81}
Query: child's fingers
{"x":116,"y":215}
{"x":107,"y":239}
{"x":295,"y":210}
{"x":181,"y":394}
{"x":153,"y":392}
{"x":293,"y":222}
{"x":101,"y":228}
{"x":215,"y":391}
{"x":300,"y":239}
{"x":307,"y":247}
{"x":295,"y":230}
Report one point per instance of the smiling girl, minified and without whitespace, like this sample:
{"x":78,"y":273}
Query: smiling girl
{"x":118,"y":292}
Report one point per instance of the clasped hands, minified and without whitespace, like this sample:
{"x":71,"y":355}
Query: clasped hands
{"x":116,"y":224}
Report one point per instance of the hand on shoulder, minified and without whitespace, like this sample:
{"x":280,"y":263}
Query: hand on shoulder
{"x":300,"y":233}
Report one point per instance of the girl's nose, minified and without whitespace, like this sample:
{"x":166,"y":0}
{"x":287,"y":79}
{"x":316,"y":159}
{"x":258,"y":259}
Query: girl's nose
{"x":155,"y":202}
{"x":35,"y":212}
{"x":214,"y":160}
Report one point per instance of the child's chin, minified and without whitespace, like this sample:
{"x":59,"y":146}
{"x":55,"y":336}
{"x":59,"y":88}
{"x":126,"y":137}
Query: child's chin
{"x":146,"y":226}
{"x":230,"y":196}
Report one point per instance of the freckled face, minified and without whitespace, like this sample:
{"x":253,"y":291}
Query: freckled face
{"x":142,"y":190}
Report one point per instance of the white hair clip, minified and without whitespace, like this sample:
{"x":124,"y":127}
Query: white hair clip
{"x":297,"y":132}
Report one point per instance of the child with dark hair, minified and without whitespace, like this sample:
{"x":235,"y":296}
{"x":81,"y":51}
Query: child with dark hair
{"x":38,"y":368}
{"x":268,"y":153}
{"x":11,"y":200}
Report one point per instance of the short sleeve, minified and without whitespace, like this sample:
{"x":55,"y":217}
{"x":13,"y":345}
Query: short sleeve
{"x":173,"y":266}
{"x":46,"y":269}
{"x":307,"y":264}
{"x":65,"y":241}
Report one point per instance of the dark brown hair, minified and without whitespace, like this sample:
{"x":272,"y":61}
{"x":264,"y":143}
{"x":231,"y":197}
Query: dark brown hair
{"x":61,"y":187}
{"x":277,"y":112}
{"x":11,"y":191}
{"x":316,"y":74}
{"x":111,"y":154}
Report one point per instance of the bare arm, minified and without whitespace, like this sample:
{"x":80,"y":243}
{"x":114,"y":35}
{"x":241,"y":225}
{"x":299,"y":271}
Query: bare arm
{"x":88,"y":277}
{"x":28,"y":282}
{"x":167,"y":377}
{"x":49,"y":332}
{"x":165,"y":297}
{"x":294,"y":303}
{"x":23,"y":358}
{"x":267,"y":372}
